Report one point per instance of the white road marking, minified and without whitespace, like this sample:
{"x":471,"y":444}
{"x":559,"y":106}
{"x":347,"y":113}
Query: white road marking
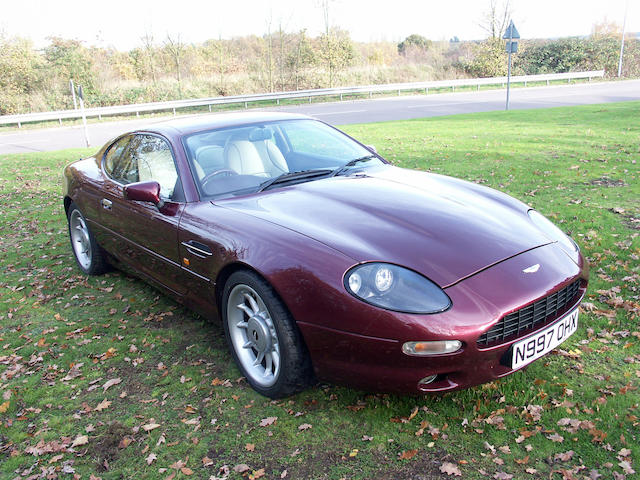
{"x":336,"y":113}
{"x":448,"y":104}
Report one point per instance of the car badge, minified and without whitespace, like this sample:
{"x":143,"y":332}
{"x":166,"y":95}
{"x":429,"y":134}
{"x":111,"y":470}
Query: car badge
{"x":532,"y":268}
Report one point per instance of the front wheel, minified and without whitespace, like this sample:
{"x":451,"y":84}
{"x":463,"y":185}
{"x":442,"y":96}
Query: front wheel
{"x":263,"y":337}
{"x":89,"y":255}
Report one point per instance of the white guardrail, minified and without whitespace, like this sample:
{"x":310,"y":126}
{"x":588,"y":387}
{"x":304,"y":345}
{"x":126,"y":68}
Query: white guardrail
{"x":59,"y":115}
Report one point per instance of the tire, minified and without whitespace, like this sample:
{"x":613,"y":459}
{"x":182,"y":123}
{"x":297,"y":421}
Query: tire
{"x":263,"y":337}
{"x":89,"y":256}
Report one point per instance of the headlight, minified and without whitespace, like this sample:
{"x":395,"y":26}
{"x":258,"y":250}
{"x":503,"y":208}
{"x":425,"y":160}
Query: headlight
{"x":553,"y":233}
{"x":395,"y":288}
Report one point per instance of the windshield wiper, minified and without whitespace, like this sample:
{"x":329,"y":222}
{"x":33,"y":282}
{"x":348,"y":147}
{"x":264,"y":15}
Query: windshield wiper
{"x":288,"y":176}
{"x":351,"y":163}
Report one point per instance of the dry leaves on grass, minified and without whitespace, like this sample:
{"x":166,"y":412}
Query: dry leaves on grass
{"x":102,"y":405}
{"x":111,"y":383}
{"x":450,"y":469}
{"x":150,"y":426}
{"x":265,"y":422}
{"x":80,"y":440}
{"x":407,"y":454}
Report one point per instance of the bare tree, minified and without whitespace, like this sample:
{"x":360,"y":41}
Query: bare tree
{"x":496,"y":18}
{"x":337,"y":50}
{"x":176,"y":49}
{"x":269,"y":59}
{"x":147,"y":43}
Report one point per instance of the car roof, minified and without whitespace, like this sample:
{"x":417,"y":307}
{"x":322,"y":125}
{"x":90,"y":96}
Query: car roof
{"x":197,"y":123}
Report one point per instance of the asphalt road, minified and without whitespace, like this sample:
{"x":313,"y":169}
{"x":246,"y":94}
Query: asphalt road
{"x":355,"y":111}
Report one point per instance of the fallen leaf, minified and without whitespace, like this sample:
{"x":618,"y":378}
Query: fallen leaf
{"x":4,"y":406}
{"x":125,"y":442}
{"x":111,"y":383}
{"x":268,"y":421}
{"x":626,"y":467}
{"x":150,"y":426}
{"x":304,"y":426}
{"x":80,"y":440}
{"x":102,"y":405}
{"x":407,"y":454}
{"x":490,"y":447}
{"x":366,"y":438}
{"x":564,"y":457}
{"x":249,"y":447}
{"x":257,"y":474}
{"x":502,"y":476}
{"x":186,"y":471}
{"x":625,"y":452}
{"x":151,"y":458}
{"x":353,"y":452}
{"x":556,"y":438}
{"x":241,"y":468}
{"x":207,"y":462}
{"x":190,"y":409}
{"x":450,"y":469}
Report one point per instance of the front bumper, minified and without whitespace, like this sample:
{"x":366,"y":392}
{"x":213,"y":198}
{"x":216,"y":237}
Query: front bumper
{"x":375,"y":362}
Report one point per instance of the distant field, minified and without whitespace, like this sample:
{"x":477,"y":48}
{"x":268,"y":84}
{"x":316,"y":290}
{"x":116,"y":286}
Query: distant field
{"x":106,"y":377}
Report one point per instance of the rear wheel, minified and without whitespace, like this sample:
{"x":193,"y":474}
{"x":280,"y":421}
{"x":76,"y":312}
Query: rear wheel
{"x":263,"y":337}
{"x":88,"y":254}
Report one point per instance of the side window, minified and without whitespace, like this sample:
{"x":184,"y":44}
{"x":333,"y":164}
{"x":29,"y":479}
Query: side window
{"x":114,"y":154}
{"x":152,"y":160}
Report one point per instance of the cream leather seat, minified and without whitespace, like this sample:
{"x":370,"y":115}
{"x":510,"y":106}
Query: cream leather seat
{"x":262,"y":158}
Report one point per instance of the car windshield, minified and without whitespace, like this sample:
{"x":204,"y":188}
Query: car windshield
{"x":249,"y":158}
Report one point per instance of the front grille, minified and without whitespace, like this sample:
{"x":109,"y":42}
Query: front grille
{"x":528,"y":318}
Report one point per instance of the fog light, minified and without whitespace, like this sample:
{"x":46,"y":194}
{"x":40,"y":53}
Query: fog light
{"x":431,"y":348}
{"x":427,"y":380}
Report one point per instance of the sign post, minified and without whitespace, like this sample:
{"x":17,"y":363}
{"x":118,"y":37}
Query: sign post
{"x":624,"y":27}
{"x":73,"y":94}
{"x":84,"y":117}
{"x":512,"y":36}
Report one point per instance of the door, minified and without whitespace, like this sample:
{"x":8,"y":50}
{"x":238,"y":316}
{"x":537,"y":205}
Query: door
{"x":139,"y":233}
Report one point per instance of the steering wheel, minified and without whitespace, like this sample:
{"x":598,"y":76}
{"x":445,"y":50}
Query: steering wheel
{"x":223,"y":172}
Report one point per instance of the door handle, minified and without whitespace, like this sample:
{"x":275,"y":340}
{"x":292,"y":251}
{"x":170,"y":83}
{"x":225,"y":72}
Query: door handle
{"x":106,"y":204}
{"x":197,"y":248}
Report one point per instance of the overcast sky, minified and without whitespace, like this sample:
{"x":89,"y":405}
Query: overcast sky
{"x":121,"y":23}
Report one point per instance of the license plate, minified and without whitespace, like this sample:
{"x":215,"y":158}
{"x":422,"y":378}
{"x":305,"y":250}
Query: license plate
{"x":535,"y":346}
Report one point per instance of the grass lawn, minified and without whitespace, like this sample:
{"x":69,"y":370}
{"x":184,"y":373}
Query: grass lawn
{"x":106,"y":377}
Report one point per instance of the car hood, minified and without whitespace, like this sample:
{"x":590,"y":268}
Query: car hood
{"x":444,"y":228}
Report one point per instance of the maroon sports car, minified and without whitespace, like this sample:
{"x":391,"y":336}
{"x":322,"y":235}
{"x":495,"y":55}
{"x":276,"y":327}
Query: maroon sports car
{"x":321,"y":259}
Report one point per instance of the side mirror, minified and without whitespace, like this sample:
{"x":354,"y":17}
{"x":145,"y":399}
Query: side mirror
{"x":144,"y":192}
{"x":372,"y":148}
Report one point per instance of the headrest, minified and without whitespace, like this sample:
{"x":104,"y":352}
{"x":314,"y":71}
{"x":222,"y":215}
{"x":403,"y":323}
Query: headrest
{"x":260,"y":133}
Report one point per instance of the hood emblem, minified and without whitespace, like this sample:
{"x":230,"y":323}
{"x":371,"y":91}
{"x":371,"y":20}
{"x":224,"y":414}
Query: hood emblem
{"x":532,"y":268}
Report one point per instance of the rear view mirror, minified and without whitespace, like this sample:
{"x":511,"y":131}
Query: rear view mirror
{"x":144,"y":192}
